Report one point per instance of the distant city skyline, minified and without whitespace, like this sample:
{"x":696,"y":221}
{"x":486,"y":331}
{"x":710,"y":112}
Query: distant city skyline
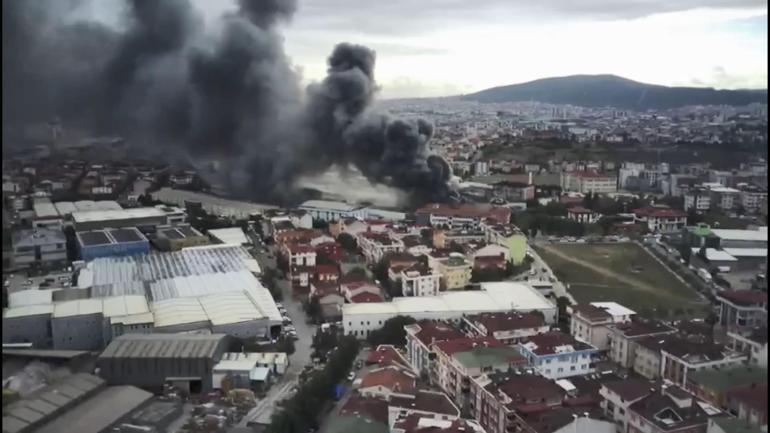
{"x":451,"y":47}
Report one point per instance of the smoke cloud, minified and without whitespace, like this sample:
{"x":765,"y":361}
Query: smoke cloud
{"x":228,"y":93}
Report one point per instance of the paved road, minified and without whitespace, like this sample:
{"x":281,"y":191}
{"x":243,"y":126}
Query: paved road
{"x":264,"y":409}
{"x":558,"y":287}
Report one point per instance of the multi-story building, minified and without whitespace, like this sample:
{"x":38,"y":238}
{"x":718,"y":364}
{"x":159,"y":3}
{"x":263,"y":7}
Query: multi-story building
{"x":742,"y":309}
{"x":421,"y":338}
{"x":459,"y":360}
{"x":508,"y":236}
{"x":419,"y":280}
{"x":618,"y":396}
{"x":749,"y":404}
{"x":495,"y":398}
{"x":714,"y":385}
{"x":300,"y":255}
{"x":557,"y":355}
{"x":661,"y":219}
{"x":753,"y":343}
{"x":623,"y":338}
{"x":698,"y":199}
{"x":454,"y":270}
{"x":679,"y":358}
{"x":671,"y":410}
{"x":42,"y":246}
{"x":590,"y":322}
{"x":725,"y":198}
{"x":647,"y":357}
{"x":445,"y":238}
{"x":582,"y":215}
{"x":753,"y":197}
{"x":588,"y":181}
{"x":507,"y":327}
{"x":461,"y":215}
{"x":375,"y":246}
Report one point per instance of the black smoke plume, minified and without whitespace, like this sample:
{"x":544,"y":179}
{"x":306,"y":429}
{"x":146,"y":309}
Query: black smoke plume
{"x":172,"y":86}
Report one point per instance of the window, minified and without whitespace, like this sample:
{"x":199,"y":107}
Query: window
{"x":572,"y":368}
{"x":560,"y":370}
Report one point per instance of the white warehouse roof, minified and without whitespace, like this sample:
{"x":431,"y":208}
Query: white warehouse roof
{"x":741,"y":235}
{"x":713,"y":254}
{"x":230,"y":235}
{"x":114,"y":214}
{"x":746,"y":252}
{"x":502,"y":296}
{"x":614,"y":309}
{"x":30,"y":297}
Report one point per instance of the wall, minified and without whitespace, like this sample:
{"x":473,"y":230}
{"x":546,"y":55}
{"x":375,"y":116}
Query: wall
{"x":251,"y":328}
{"x":647,"y":362}
{"x":84,"y":332}
{"x":35,"y":329}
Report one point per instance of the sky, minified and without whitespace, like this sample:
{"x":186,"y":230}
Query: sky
{"x":431,"y":48}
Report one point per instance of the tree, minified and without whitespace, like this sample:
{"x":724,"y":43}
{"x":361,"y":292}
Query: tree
{"x":348,"y":242}
{"x":285,"y":345}
{"x":269,"y":280}
{"x":392,"y":332}
{"x":314,"y":309}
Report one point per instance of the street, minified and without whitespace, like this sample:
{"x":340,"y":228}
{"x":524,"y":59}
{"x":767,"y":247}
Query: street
{"x":263,"y":411}
{"x":558,"y":287}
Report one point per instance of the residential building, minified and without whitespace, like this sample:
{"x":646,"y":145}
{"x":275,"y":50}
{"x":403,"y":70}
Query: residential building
{"x":506,"y":327}
{"x":508,"y":236}
{"x":459,"y":360}
{"x":582,"y":215}
{"x":680,"y":358}
{"x":742,"y":309}
{"x":623,"y":338}
{"x":325,"y":210}
{"x":47,"y":247}
{"x":445,"y":238}
{"x":725,"y":198}
{"x":589,"y":322}
{"x":495,"y":398}
{"x":714,"y":385}
{"x":731,"y":425}
{"x":388,"y":382}
{"x":589,"y":181}
{"x":419,"y":280}
{"x":300,"y":255}
{"x":513,"y":191}
{"x":754,"y":343}
{"x":697,"y":199}
{"x":556,"y":355}
{"x":669,"y":411}
{"x":618,"y":396}
{"x":375,"y":246}
{"x":455,"y":271}
{"x":647,"y":354}
{"x":753,"y":198}
{"x":493,"y":250}
{"x":661,"y":219}
{"x":461,"y":215}
{"x":749,"y":404}
{"x":421,"y":338}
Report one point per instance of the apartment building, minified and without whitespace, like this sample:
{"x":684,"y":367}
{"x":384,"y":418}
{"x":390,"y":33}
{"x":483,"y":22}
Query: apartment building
{"x":671,"y":410}
{"x":454,"y":270}
{"x":557,"y":355}
{"x":589,"y":322}
{"x":624,"y":337}
{"x":419,"y":280}
{"x":661,"y":219}
{"x":459,"y":216}
{"x":742,"y":309}
{"x":375,"y":246}
{"x":421,"y":338}
{"x":508,"y":236}
{"x":697,"y":199}
{"x":679,"y":358}
{"x":589,"y":181}
{"x":508,"y":328}
{"x":618,"y":396}
{"x":753,"y":343}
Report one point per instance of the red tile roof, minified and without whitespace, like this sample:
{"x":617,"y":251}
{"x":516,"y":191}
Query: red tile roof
{"x":393,"y":378}
{"x":327,"y":269}
{"x":365,"y":297}
{"x":753,"y":396}
{"x":629,"y":389}
{"x":591,"y":312}
{"x":507,"y":321}
{"x":659,"y":212}
{"x":639,"y":328}
{"x":432,"y":331}
{"x":744,"y":297}
{"x":385,"y":355}
{"x":427,"y":401}
{"x":450,"y":347}
{"x":300,"y":248}
{"x":547,"y":343}
{"x":373,"y":408}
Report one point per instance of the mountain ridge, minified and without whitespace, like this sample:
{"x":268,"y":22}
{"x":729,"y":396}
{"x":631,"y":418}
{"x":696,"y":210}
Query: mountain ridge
{"x":607,"y":90}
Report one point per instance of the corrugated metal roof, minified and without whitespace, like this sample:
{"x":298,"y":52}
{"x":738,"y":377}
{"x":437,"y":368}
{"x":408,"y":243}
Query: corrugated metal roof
{"x":163,"y":346}
{"x":230,"y":235}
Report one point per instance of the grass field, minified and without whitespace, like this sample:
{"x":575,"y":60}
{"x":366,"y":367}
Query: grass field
{"x":624,"y":273}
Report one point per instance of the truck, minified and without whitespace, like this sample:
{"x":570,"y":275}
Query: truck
{"x":704,"y":274}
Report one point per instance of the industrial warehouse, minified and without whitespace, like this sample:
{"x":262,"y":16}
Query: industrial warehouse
{"x":360,"y":319}
{"x":208,"y":288}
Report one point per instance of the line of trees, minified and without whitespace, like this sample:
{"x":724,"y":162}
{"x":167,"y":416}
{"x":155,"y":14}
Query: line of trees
{"x":392,"y":332}
{"x":300,"y":413}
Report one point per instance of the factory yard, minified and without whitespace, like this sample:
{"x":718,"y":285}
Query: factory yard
{"x":624,"y":273}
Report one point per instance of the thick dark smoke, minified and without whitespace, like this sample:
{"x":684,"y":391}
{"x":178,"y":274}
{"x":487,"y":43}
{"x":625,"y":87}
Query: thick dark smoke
{"x":169,"y":84}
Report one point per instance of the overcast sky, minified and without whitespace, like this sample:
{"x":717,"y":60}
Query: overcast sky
{"x":445,"y":47}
